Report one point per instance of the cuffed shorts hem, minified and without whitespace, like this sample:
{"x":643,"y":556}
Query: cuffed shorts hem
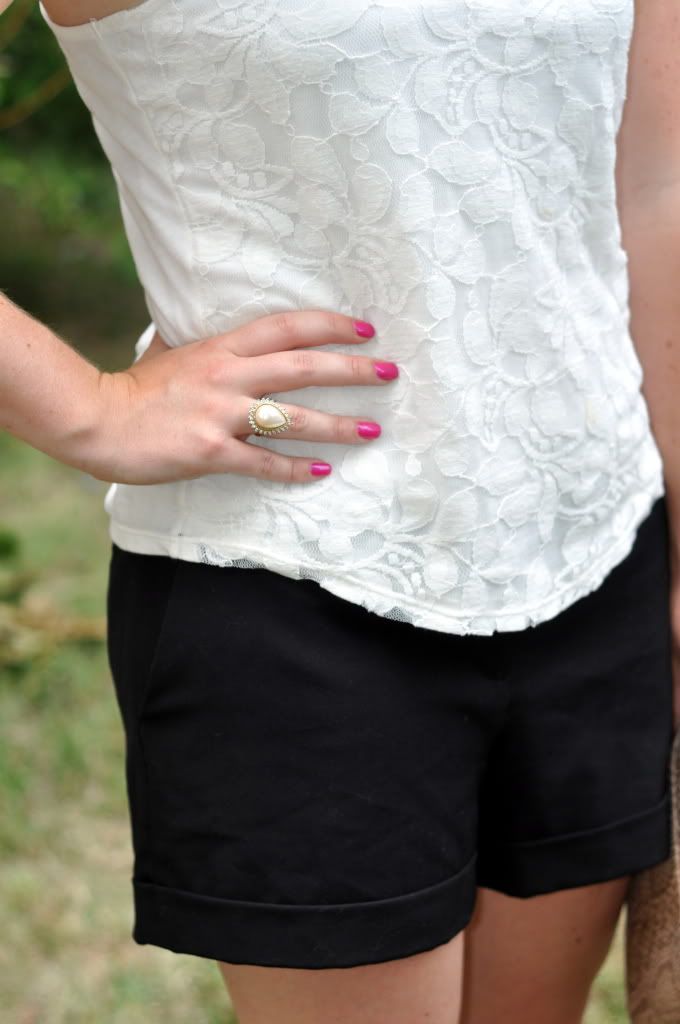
{"x":302,"y":935}
{"x":289,"y":754}
{"x":373,"y":931}
{"x":580,"y":858}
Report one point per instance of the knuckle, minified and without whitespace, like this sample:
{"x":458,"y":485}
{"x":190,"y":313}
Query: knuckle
{"x":334,"y":323}
{"x":268,"y":464}
{"x":357,"y":367}
{"x":341,"y":428}
{"x":304,"y":362}
{"x":216,"y":371}
{"x":212,"y":445}
{"x":283,"y":323}
{"x":300,"y":419}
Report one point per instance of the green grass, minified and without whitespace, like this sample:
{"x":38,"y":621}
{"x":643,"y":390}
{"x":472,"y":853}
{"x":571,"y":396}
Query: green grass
{"x":66,"y":955}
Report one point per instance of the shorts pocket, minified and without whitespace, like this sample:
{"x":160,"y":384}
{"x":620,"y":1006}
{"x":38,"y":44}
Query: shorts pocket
{"x":142,"y":590}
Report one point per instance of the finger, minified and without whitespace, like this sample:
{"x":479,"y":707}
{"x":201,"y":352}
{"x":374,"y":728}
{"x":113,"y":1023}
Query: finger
{"x":254,"y":460}
{"x":280,"y":332}
{"x":312,"y":425}
{"x":285,"y":371}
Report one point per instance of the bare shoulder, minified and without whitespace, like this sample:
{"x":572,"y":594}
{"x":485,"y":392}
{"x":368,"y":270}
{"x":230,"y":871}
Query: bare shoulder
{"x":77,"y":12}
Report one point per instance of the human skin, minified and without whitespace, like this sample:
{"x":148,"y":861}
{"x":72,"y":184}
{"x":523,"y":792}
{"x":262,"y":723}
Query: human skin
{"x":75,"y":12}
{"x":648,"y":189}
{"x":531,"y":961}
{"x":182,"y":412}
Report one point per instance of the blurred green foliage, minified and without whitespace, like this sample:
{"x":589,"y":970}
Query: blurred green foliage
{"x":30,"y":55}
{"x":68,"y":262}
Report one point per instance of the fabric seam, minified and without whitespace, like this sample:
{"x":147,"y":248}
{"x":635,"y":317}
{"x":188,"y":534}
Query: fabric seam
{"x":567,"y":837}
{"x":458,"y":876}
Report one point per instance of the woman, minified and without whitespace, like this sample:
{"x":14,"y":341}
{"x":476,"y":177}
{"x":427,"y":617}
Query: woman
{"x":405,"y":770}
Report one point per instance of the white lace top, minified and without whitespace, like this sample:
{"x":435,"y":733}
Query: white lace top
{"x":444,"y":169}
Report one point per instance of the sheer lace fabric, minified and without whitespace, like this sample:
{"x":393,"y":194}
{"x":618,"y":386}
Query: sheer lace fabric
{"x":444,"y":169}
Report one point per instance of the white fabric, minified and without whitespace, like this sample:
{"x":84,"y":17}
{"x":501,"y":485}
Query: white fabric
{"x":444,"y":169}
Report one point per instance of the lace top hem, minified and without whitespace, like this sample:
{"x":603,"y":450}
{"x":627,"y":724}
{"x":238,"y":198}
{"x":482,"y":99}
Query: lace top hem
{"x":351,"y":586}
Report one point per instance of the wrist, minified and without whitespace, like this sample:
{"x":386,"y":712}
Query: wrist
{"x":83,"y":427}
{"x":65,"y":420}
{"x":84,"y":434}
{"x":95,"y":442}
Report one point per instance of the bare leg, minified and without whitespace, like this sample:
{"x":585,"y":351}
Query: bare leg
{"x":423,"y":988}
{"x":533,"y":961}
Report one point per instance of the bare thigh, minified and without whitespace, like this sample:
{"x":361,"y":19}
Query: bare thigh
{"x":424,"y":988}
{"x":533,"y":961}
{"x":522,"y":961}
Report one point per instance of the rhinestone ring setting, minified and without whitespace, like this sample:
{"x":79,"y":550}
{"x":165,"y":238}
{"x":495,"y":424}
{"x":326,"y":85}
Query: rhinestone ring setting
{"x":268,"y":417}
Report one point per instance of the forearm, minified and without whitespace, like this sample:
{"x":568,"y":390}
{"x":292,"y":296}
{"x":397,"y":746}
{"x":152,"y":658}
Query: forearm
{"x":50,"y":396}
{"x":651,"y":235}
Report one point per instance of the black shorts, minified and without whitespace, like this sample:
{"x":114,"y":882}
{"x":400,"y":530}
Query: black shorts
{"x":314,"y":785}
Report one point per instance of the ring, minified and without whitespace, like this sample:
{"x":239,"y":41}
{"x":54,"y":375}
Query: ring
{"x":268,"y":417}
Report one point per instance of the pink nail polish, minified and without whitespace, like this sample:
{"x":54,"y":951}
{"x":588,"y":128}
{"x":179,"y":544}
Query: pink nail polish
{"x":364,"y":329}
{"x":368,"y":429}
{"x":319,"y":469}
{"x":387,"y":371}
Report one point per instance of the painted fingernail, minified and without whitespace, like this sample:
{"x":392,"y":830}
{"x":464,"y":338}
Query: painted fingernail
{"x":319,"y":469}
{"x":387,"y":371}
{"x":368,"y":429}
{"x":364,"y":329}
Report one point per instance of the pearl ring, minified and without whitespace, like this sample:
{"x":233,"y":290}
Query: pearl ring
{"x":268,"y":417}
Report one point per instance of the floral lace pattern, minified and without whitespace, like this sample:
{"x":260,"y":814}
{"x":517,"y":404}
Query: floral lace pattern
{"x":444,"y":169}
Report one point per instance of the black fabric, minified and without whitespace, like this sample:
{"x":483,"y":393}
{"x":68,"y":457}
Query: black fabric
{"x":314,"y":785}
